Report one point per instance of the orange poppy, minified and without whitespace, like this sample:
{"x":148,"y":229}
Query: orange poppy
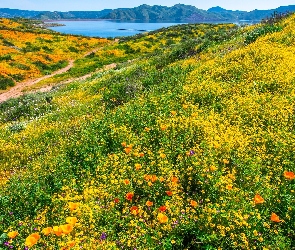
{"x":12,"y":234}
{"x":129,"y":196}
{"x":173,"y":112}
{"x":174,"y":179}
{"x":32,"y":239}
{"x":124,"y":144}
{"x":213,"y":168}
{"x":149,"y":203}
{"x":66,"y":229}
{"x":141,"y":154}
{"x":138,"y":166}
{"x":116,"y":200}
{"x":73,"y":205}
{"x":134,"y":210}
{"x":258,"y":199}
{"x":126,"y":182}
{"x":225,"y":161}
{"x":289,"y":175}
{"x":46,"y":231}
{"x":71,"y":243}
{"x":169,"y":193}
{"x":127,"y":150}
{"x":162,"y":218}
{"x":194,"y":203}
{"x":162,"y":208}
{"x":163,"y":127}
{"x":72,"y":220}
{"x":153,"y":178}
{"x":275,"y":218}
{"x":57,"y":230}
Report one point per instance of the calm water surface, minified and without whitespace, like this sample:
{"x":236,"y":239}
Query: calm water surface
{"x":117,"y":28}
{"x":107,"y":28}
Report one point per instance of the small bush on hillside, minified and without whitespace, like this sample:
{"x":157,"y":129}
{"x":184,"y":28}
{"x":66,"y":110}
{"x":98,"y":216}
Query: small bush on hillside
{"x":27,"y":106}
{"x":261,"y":31}
{"x":6,"y":82}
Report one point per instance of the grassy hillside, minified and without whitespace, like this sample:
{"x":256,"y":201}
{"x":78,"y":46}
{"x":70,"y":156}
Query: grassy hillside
{"x":29,"y":51}
{"x":189,"y":146}
{"x":177,"y":40}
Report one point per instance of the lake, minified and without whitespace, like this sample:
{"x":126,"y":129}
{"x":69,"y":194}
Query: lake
{"x":107,"y":28}
{"x":110,"y":28}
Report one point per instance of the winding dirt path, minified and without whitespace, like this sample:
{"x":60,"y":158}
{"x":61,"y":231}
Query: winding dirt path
{"x":17,"y":90}
{"x":81,"y":78}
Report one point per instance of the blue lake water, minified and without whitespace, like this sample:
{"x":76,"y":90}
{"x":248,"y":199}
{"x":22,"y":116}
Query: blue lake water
{"x":107,"y":28}
{"x":113,"y":28}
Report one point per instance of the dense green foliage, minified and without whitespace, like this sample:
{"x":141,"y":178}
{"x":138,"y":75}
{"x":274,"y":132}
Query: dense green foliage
{"x":6,"y":82}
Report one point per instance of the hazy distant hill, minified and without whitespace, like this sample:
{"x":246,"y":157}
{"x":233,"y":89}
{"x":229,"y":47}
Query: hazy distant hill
{"x":10,"y":13}
{"x":251,"y":15}
{"x":156,"y":12}
{"x":73,"y":14}
{"x":145,"y":13}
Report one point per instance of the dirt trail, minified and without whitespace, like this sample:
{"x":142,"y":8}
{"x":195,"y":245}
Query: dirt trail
{"x":17,"y":90}
{"x":81,"y":78}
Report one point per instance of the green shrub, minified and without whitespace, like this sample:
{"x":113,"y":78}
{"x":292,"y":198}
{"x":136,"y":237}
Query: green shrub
{"x":26,"y":106}
{"x":261,"y":31}
{"x":6,"y":82}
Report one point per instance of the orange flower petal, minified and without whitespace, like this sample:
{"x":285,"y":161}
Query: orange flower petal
{"x":12,"y":234}
{"x":149,"y":203}
{"x":169,"y":193}
{"x":275,"y":218}
{"x":46,"y":231}
{"x":258,"y":199}
{"x":194,"y":203}
{"x":66,"y":229}
{"x":134,"y":210}
{"x":289,"y":175}
{"x":129,"y":196}
{"x":162,"y":218}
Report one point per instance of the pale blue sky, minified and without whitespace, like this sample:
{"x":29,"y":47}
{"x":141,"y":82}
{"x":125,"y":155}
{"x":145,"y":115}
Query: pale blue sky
{"x":66,"y":5}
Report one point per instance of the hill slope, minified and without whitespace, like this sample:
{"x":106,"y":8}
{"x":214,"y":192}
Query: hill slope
{"x":28,"y":51}
{"x":190,"y":146}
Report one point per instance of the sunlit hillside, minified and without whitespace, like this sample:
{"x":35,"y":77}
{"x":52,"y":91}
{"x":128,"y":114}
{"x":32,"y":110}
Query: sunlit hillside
{"x":28,"y":51}
{"x":188,"y":143}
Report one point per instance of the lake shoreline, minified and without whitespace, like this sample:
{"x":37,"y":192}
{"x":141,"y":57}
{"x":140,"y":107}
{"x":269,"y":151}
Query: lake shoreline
{"x":114,"y":28}
{"x":74,"y":20}
{"x":147,"y":21}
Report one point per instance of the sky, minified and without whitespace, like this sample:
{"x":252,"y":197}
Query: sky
{"x":67,"y":5}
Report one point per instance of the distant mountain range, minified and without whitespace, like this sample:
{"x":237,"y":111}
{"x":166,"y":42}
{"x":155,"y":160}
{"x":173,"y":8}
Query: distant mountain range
{"x":150,"y":13}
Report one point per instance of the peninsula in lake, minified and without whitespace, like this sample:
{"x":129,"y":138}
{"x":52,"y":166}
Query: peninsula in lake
{"x":150,"y":13}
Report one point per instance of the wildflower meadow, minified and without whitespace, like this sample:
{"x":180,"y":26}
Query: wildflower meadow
{"x":188,"y":143}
